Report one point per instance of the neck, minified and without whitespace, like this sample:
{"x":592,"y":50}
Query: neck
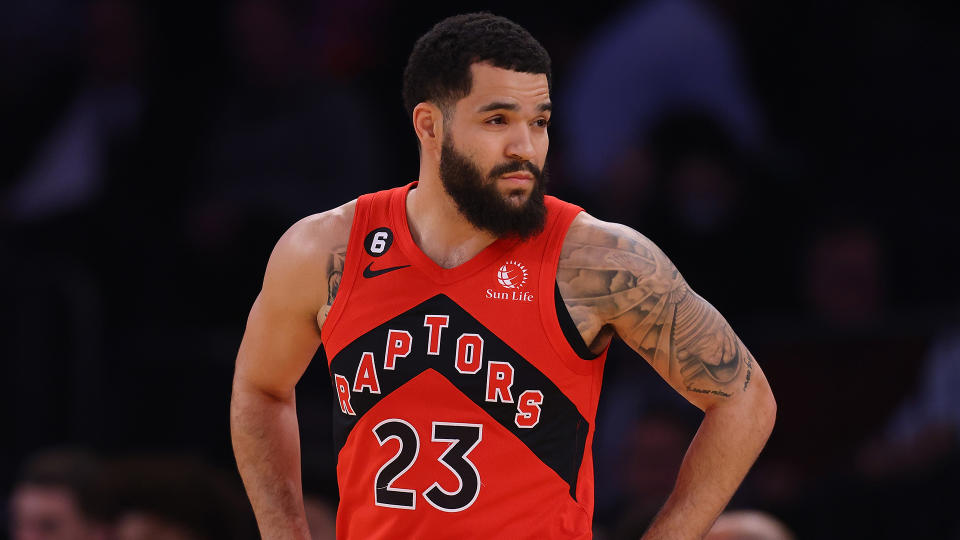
{"x":438,"y":228}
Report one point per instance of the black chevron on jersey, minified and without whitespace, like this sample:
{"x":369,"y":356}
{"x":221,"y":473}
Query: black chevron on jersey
{"x":559,"y":437}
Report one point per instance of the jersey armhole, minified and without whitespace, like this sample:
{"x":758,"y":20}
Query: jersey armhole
{"x":569,"y":328}
{"x":554,"y":317}
{"x":350,"y":270}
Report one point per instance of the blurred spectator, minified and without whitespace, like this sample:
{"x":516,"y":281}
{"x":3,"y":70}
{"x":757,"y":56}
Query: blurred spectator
{"x":57,"y":497}
{"x":632,"y":390}
{"x":65,"y":232}
{"x":176,"y":498}
{"x":748,"y":525}
{"x":38,"y":45}
{"x":69,"y":169}
{"x":146,"y":526}
{"x":925,"y":429}
{"x":288,"y":140}
{"x":321,"y":518}
{"x":845,"y":282}
{"x":696,"y":163}
{"x":348,"y":38}
{"x":660,"y":130}
{"x":902,"y":484}
{"x":651,"y":451}
{"x":843,"y":347}
{"x":655,"y":58}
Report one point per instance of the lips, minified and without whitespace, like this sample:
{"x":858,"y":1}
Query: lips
{"x":518,"y":177}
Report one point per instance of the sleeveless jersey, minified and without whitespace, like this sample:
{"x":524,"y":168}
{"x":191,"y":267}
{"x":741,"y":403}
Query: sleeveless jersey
{"x":461,"y":410}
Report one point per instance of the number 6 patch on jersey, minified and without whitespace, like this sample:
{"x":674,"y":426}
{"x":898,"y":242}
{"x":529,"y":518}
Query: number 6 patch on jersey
{"x":378,"y":241}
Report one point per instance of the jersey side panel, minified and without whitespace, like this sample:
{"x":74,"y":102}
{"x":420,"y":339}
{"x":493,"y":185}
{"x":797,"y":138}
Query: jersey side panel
{"x":590,"y":370}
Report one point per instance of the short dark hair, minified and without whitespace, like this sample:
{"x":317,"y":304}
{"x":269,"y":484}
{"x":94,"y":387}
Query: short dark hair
{"x":182,"y":490}
{"x":72,"y":469}
{"x":438,"y":69}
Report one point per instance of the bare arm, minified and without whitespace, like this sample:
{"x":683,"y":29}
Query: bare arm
{"x":281,"y":337}
{"x":613,"y":279}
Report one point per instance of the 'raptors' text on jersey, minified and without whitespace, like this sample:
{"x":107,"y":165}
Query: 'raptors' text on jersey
{"x":461,"y":409}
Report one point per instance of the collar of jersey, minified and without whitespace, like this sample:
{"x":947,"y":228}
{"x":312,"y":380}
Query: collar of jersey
{"x":439,"y":274}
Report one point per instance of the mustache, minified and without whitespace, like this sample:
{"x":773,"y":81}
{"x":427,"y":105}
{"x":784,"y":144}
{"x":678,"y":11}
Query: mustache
{"x":516,"y":166}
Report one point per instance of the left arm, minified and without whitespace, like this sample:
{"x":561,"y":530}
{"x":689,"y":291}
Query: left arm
{"x":613,"y":278}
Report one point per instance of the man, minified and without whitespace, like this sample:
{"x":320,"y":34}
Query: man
{"x":169,"y":497}
{"x":465,"y":318}
{"x":58,"y":497}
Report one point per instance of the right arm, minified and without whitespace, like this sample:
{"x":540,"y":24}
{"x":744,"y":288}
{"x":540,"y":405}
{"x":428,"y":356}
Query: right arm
{"x":613,"y":277}
{"x":281,"y":337}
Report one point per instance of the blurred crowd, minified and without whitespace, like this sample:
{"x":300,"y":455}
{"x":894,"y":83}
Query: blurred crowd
{"x":793,"y":161}
{"x":71,"y":494}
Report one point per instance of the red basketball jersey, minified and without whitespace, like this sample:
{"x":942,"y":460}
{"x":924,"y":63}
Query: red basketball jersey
{"x":461,"y":409}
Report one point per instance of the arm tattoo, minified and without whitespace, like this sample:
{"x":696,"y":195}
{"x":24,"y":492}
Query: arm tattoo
{"x":612,"y":275}
{"x":334,"y":273}
{"x":334,"y":269}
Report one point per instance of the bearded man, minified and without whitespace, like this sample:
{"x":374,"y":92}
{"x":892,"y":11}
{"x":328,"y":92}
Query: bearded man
{"x":466,"y":317}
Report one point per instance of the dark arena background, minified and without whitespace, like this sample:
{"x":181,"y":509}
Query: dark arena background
{"x":796,"y":161}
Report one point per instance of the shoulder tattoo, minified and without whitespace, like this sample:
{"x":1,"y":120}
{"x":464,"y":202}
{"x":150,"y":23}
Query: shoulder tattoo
{"x":612,"y":276}
{"x":334,"y":271}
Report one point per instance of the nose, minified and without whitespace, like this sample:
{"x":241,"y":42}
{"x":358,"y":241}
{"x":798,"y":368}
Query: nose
{"x":520,"y":145}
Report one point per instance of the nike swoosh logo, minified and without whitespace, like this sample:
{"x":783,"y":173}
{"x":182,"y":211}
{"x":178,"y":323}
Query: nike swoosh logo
{"x":369,"y":273}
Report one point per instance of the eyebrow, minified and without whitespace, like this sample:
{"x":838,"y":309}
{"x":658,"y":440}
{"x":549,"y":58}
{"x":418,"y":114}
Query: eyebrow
{"x":505,"y":106}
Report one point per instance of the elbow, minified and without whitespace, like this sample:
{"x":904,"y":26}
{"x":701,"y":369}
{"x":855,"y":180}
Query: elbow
{"x":771,"y":410}
{"x":762,"y":402}
{"x":767,"y":409}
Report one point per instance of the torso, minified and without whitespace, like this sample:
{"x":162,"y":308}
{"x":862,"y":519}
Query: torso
{"x":461,"y":409}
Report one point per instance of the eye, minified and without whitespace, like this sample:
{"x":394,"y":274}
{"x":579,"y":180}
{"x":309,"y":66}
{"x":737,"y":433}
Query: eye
{"x":542,"y":122}
{"x":496,"y":120}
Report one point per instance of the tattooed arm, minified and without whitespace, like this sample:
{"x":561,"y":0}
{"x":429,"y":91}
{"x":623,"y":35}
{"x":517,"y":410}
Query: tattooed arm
{"x":281,"y":337}
{"x":615,"y":280}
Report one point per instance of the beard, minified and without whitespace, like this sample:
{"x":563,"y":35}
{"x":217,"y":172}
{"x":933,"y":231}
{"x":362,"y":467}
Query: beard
{"x":483,"y":205}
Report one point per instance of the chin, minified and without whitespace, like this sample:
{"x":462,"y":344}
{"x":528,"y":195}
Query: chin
{"x":516,"y":198}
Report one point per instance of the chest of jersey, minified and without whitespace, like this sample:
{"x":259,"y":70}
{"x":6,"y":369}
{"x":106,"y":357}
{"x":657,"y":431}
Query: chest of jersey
{"x":452,"y":388}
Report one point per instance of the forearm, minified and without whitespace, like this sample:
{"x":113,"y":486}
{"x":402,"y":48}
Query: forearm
{"x":725,"y":447}
{"x":266,"y":443}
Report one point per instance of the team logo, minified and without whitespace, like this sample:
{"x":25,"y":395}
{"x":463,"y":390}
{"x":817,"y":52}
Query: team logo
{"x":512,"y":275}
{"x":371,"y":272}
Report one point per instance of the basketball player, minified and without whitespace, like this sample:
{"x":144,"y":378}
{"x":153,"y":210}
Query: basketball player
{"x":465,"y":319}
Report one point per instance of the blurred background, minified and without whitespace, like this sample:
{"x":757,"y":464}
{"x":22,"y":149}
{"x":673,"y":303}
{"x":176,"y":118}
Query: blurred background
{"x":794,"y":160}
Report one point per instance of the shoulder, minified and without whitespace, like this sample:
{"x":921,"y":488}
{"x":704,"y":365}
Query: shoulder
{"x":618,"y":246}
{"x":312,"y":238}
{"x":606,"y":265}
{"x":322,"y":231}
{"x":588,"y":229}
{"x":309,"y":252}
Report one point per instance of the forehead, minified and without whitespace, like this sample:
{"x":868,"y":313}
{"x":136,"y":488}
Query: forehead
{"x":503,"y":85}
{"x":32,"y":498}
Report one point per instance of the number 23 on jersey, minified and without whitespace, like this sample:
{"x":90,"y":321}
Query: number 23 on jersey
{"x":460,"y":439}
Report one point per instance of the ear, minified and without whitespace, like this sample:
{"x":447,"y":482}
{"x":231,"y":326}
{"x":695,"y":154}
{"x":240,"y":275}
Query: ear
{"x":428,"y":124}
